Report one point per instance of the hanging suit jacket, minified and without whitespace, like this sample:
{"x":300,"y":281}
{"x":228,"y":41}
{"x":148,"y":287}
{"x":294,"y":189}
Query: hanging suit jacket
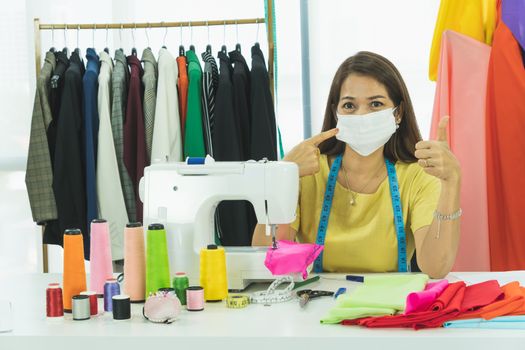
{"x":182,"y":86}
{"x":109,"y":189}
{"x":149,"y":79}
{"x":56,"y":87}
{"x":39,"y":173}
{"x":210,"y":82}
{"x":263,"y":139}
{"x":119,"y":82}
{"x":234,"y":227}
{"x":90,"y":86}
{"x":193,"y":137}
{"x":167,"y":138}
{"x":135,"y":156}
{"x":241,"y":100}
{"x":69,"y":167}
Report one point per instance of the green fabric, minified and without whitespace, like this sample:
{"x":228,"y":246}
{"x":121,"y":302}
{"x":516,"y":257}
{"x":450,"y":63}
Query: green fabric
{"x":378,"y":296}
{"x":193,"y":135}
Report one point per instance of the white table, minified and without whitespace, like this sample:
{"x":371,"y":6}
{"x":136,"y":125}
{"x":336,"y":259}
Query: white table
{"x":217,"y":327}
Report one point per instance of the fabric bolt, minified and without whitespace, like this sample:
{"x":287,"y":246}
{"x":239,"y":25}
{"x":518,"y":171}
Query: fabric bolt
{"x":109,"y":189}
{"x":149,"y":79}
{"x":210,"y":83}
{"x":512,"y":14}
{"x":69,"y":184}
{"x":291,"y":257}
{"x":91,"y":124}
{"x":39,"y":170}
{"x":370,"y":223}
{"x":193,"y":135}
{"x":232,"y":217}
{"x":505,"y":161}
{"x":119,"y":86}
{"x":182,"y":88}
{"x":420,"y":301}
{"x":56,"y":90}
{"x":450,"y":299}
{"x":263,"y":138}
{"x":135,"y":155}
{"x":512,"y":300}
{"x":461,"y":94}
{"x":379,"y":293}
{"x":504,"y":322}
{"x":473,"y":18}
{"x":241,"y":100}
{"x":167,"y":137}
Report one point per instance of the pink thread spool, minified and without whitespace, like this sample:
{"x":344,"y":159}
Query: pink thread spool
{"x":134,"y":262}
{"x":195,"y":298}
{"x":100,"y":256}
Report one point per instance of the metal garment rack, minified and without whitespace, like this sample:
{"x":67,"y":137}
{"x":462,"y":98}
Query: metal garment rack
{"x":38,"y":27}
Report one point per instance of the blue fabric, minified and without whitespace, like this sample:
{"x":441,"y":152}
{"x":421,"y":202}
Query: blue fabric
{"x":504,"y":322}
{"x":91,"y":121}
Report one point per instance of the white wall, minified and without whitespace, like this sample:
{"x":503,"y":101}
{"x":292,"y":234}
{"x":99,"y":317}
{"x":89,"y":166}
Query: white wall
{"x":400,"y":30}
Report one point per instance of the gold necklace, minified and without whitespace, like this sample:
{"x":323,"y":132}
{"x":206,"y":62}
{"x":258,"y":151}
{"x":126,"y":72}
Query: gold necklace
{"x":352,"y":200}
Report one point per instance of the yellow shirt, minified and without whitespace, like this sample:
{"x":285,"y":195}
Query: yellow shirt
{"x":362,"y":237}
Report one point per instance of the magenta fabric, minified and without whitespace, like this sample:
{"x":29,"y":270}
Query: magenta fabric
{"x":291,"y":257}
{"x":420,"y":301}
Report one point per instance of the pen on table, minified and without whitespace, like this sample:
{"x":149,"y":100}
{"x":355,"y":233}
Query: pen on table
{"x":355,"y":278}
{"x":340,"y":291}
{"x":305,"y":282}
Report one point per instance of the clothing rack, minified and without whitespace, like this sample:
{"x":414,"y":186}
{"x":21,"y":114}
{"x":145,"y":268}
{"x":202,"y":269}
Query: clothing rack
{"x":38,"y":27}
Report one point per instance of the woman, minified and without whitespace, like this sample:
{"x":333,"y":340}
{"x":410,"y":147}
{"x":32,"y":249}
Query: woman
{"x":368,"y":158}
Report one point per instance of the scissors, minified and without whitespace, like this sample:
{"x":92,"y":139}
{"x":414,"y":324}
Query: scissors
{"x":306,"y":294}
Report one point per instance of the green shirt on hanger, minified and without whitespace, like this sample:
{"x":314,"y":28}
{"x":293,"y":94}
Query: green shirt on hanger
{"x":193,"y":135}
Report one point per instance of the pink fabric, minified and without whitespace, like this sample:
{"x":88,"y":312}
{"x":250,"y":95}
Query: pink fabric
{"x":420,"y":301}
{"x":461,"y":93}
{"x":291,"y":257}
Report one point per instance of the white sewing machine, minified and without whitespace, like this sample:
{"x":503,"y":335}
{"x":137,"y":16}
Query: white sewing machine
{"x":184,"y":197}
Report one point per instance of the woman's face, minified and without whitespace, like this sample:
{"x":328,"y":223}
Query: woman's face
{"x":362,"y":94}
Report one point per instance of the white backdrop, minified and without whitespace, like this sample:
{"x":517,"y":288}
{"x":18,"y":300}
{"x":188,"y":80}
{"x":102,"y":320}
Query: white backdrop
{"x":401,"y":30}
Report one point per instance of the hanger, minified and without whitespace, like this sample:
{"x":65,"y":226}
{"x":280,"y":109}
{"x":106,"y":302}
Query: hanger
{"x":192,"y":48}
{"x":106,"y":48}
{"x":120,"y":36}
{"x":208,"y":47}
{"x":147,"y":35}
{"x":223,"y":47}
{"x":133,"y":49}
{"x":237,"y":46}
{"x":257,"y":34}
{"x":165,"y":35}
{"x":77,"y":50}
{"x":52,"y":48}
{"x":181,"y":47}
{"x":65,"y":49}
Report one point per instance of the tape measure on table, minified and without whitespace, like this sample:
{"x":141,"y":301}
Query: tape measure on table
{"x":237,"y":301}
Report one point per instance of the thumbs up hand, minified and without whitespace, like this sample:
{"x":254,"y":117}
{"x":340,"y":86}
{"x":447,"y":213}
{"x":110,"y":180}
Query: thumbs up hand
{"x":436,"y":158}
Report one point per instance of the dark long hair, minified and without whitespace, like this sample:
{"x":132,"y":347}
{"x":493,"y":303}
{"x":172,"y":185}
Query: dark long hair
{"x":402,"y":144}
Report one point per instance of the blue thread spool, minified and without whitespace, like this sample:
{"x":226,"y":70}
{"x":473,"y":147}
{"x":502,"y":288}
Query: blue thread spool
{"x":111,"y":288}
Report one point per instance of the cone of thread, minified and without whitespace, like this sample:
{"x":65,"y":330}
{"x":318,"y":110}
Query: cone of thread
{"x":134,"y":262}
{"x":100,"y":256}
{"x":213,"y":273}
{"x":74,"y":276}
{"x":157,"y":263}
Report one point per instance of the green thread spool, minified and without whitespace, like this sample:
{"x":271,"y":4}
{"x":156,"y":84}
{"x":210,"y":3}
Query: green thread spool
{"x":180,"y":284}
{"x":157,"y":263}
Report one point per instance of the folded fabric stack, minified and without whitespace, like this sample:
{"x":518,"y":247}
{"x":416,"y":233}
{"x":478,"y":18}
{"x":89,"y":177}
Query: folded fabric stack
{"x":394,"y":301}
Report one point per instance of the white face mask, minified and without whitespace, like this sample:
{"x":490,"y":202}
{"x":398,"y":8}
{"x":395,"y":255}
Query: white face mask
{"x":366,"y":133}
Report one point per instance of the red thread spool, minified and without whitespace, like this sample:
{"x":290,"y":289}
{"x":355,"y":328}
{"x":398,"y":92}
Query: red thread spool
{"x":54,"y":303}
{"x":93,"y":301}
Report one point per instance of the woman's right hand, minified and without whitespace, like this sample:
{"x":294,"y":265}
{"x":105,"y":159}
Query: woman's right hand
{"x":306,"y":154}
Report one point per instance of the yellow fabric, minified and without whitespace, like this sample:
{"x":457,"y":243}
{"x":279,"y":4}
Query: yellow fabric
{"x":362,"y":238}
{"x":474,"y":18}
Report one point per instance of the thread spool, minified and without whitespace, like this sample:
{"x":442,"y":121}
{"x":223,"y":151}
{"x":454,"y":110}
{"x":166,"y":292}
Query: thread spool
{"x":93,"y":301}
{"x":157,"y":263}
{"x":121,"y":307}
{"x":111,"y":288}
{"x":134,"y":262}
{"x":74,"y":276}
{"x":180,"y":284}
{"x":81,"y":307}
{"x":100,"y":256}
{"x":195,"y":298}
{"x":213,"y":273}
{"x":54,"y":302}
